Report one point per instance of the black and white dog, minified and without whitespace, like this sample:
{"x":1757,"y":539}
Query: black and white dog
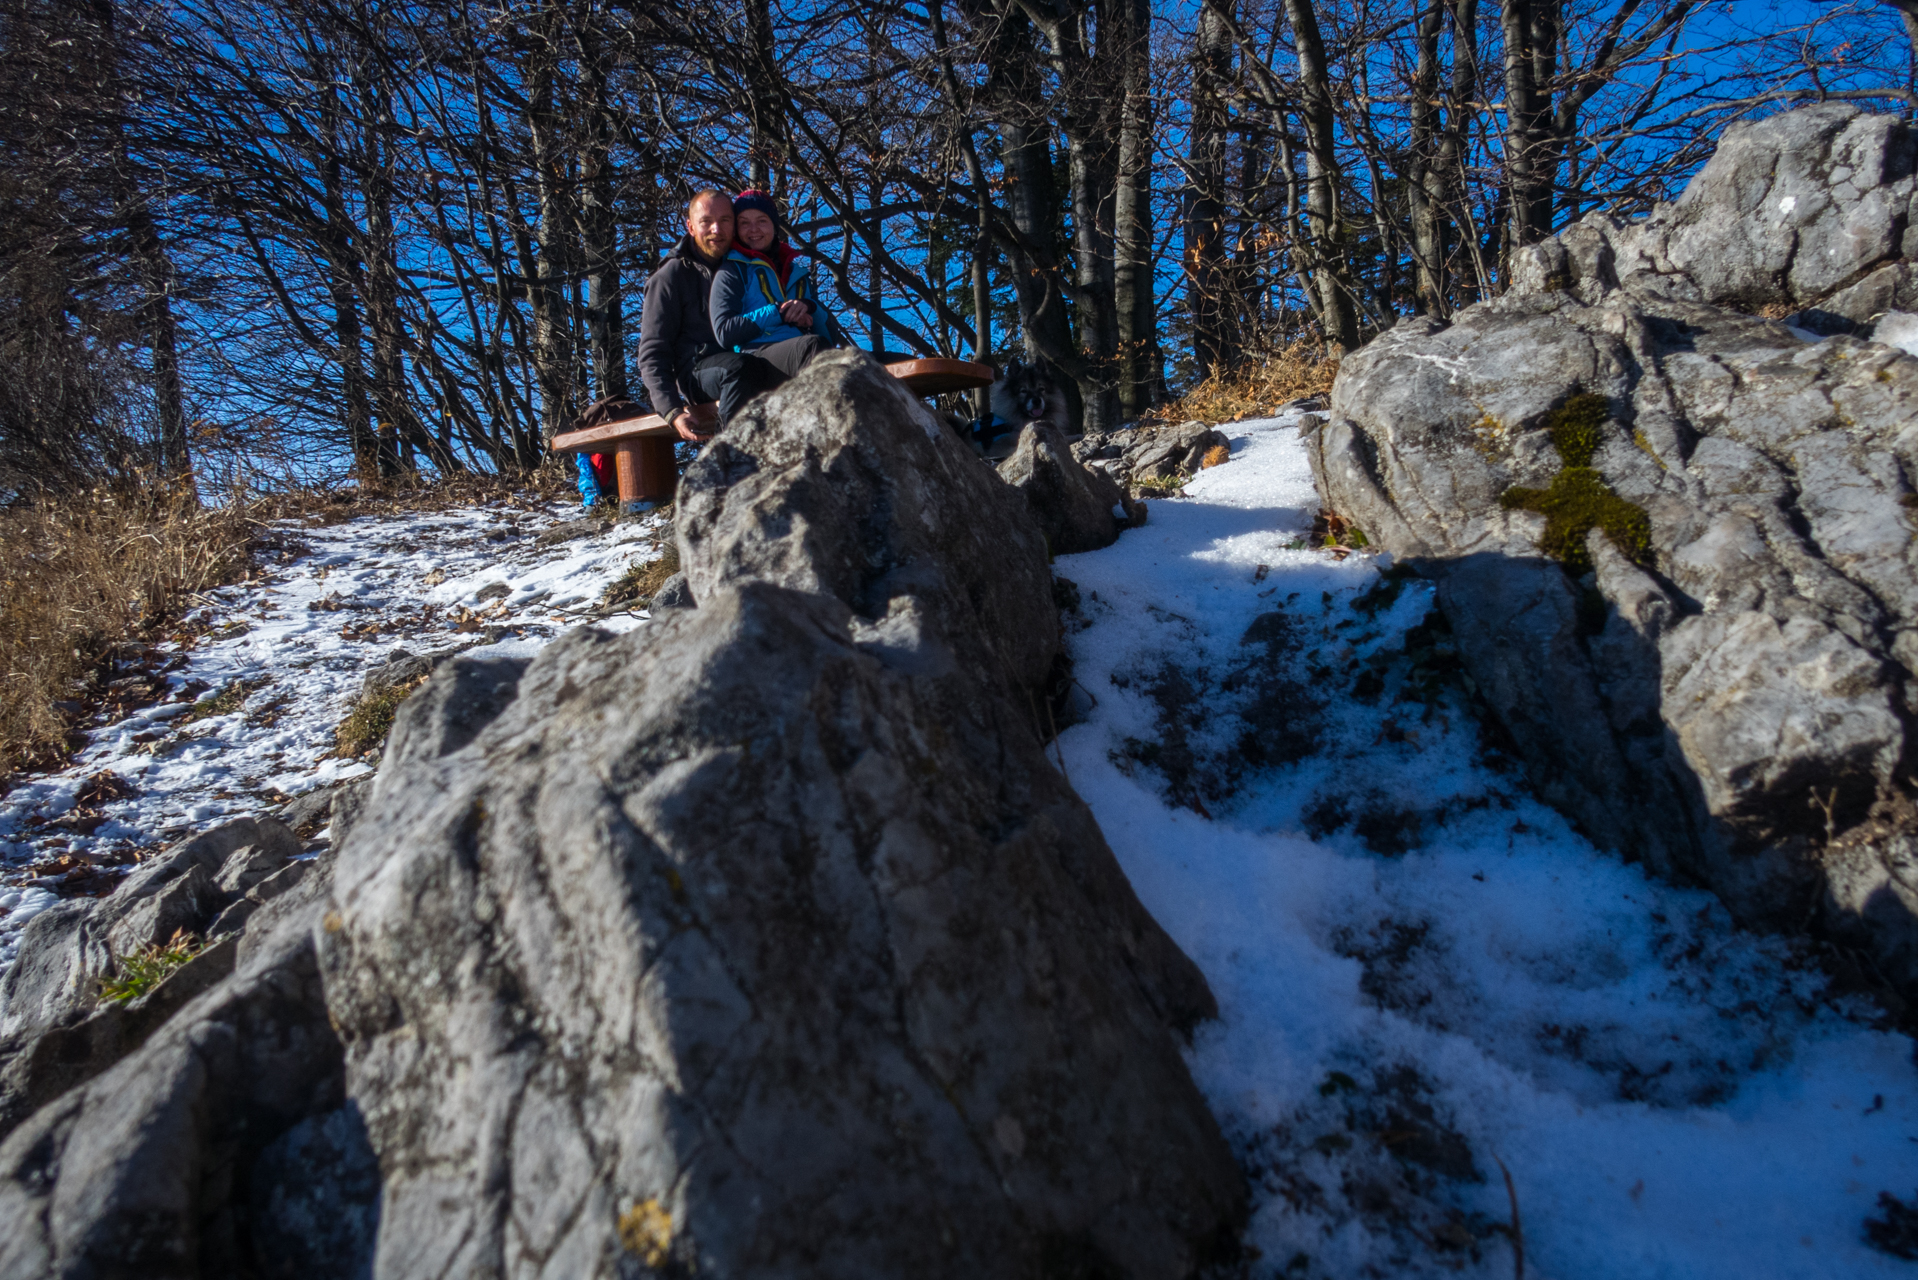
{"x":1020,"y":393}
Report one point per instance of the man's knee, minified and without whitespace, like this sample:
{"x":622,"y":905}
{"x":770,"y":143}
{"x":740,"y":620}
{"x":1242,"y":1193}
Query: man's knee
{"x":716,"y":371}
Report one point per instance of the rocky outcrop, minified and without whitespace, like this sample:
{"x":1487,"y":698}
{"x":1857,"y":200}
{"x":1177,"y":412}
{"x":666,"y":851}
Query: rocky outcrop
{"x":1149,"y":456}
{"x":55,"y":1031}
{"x":766,"y":940}
{"x":762,"y":941}
{"x":190,"y":1156}
{"x":1675,"y":538}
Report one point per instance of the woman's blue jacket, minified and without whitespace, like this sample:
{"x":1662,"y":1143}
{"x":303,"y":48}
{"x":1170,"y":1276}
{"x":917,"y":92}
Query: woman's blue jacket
{"x":746,"y":297}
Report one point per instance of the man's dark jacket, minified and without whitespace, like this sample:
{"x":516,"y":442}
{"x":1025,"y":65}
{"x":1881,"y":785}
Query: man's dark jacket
{"x":675,"y":327}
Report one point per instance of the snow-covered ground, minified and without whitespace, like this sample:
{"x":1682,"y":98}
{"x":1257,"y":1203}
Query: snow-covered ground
{"x":1426,"y":978}
{"x":290,"y":650}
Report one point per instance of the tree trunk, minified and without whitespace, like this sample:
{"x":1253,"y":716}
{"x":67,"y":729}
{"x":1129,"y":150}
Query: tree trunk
{"x":1425,"y":183}
{"x":1092,"y":162}
{"x":1908,"y":14}
{"x":1132,"y":220}
{"x":982,"y":246}
{"x":1528,"y":208}
{"x":1456,"y":135}
{"x":1543,"y":35}
{"x":876,"y":277}
{"x":548,"y":293}
{"x":162,"y":336}
{"x":1033,"y":207}
{"x":398,"y":430}
{"x":1213,"y":343}
{"x":759,"y":61}
{"x":599,"y":231}
{"x":344,"y":284}
{"x":155,"y":274}
{"x":1336,"y":311}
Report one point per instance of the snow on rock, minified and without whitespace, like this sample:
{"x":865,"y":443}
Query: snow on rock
{"x":1897,"y":329}
{"x":290,"y":650}
{"x":1425,"y":976}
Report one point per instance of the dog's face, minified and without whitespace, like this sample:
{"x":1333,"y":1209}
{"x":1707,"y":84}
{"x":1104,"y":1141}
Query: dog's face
{"x":1026,"y":393}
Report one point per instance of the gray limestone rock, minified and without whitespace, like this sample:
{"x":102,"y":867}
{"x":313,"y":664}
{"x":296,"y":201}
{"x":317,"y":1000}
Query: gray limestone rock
{"x":809,"y":506}
{"x":74,"y":1051}
{"x":65,"y":952}
{"x":54,"y":1032}
{"x":1699,"y":699}
{"x":180,"y":906}
{"x":1076,"y":508}
{"x":349,"y":799}
{"x":247,"y":866}
{"x":1791,"y":209}
{"x":307,"y":812}
{"x":673,"y":594}
{"x":762,"y":942}
{"x":1148,"y":455}
{"x":1166,"y":454}
{"x":765,"y":941}
{"x":402,"y":666}
{"x":200,"y":1152}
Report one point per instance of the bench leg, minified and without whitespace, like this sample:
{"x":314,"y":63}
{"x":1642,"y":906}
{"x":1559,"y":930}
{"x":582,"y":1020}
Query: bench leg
{"x":658,"y":477}
{"x":647,"y":477}
{"x":626,"y":468}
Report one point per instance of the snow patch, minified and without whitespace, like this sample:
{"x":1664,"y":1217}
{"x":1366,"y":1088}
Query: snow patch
{"x":291,"y":649}
{"x":1425,"y":977}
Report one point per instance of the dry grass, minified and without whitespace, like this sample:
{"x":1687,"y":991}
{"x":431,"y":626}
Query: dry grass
{"x":371,"y":719}
{"x":80,"y":575}
{"x":636,"y":588}
{"x":551,"y":483}
{"x":84,"y":577}
{"x":1257,"y":387}
{"x":137,"y":974}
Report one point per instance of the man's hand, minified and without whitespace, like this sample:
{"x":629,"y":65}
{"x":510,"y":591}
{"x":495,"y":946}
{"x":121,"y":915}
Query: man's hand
{"x":796,"y":313}
{"x":682,"y":422}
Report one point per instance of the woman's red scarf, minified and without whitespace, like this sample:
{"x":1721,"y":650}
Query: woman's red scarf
{"x":780,"y":257}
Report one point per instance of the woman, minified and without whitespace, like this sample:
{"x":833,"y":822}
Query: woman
{"x":764,"y":298}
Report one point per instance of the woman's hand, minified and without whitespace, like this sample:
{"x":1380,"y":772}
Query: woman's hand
{"x":796,"y":313}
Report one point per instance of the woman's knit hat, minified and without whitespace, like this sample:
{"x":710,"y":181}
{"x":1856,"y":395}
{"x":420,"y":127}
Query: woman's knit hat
{"x":756,"y":200}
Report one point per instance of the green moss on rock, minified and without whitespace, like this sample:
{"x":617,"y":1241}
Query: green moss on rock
{"x":371,"y":719}
{"x":1578,"y":500}
{"x":1575,"y":427}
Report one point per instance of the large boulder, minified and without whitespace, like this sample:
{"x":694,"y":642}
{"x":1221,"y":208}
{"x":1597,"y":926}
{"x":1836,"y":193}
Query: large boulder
{"x":1675,"y":538}
{"x":765,"y":941}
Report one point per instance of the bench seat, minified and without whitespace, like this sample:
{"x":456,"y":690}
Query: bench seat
{"x":642,"y":448}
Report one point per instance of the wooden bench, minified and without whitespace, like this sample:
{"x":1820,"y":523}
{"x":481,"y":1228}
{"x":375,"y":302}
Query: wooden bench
{"x":642,"y":448}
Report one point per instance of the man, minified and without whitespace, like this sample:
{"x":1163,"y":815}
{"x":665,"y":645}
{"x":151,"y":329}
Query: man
{"x":675,"y":329}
